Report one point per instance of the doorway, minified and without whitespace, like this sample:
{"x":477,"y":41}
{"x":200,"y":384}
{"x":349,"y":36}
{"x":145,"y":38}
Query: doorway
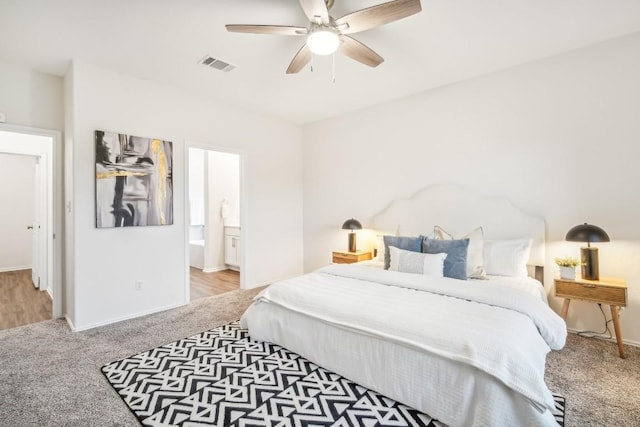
{"x":214,"y":228}
{"x":29,"y":178}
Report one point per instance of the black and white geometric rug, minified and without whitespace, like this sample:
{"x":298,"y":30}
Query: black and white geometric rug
{"x":222,"y":378}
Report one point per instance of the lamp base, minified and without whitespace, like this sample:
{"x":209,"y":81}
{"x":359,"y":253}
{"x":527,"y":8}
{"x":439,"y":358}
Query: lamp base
{"x":352,"y":242}
{"x":589,"y":259}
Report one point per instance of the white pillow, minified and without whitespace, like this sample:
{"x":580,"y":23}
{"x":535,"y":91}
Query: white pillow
{"x":475,"y":251}
{"x":416,"y":262}
{"x":380,"y":246}
{"x":507,"y":257}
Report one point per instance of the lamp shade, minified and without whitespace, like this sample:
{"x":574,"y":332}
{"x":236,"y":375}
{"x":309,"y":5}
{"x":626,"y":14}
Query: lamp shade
{"x":352,"y":224}
{"x":587,"y":233}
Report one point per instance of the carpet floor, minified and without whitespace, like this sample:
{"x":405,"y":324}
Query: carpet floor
{"x":50,"y":376}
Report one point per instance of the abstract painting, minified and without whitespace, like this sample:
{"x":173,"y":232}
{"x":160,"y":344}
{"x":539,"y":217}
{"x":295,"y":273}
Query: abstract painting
{"x":134,"y":185}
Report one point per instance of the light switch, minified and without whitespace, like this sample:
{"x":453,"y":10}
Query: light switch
{"x":3,"y":118}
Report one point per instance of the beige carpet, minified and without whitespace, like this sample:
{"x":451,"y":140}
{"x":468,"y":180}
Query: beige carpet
{"x":601,"y":388}
{"x":50,"y":376}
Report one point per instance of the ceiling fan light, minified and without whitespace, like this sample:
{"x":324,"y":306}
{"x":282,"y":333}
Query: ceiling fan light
{"x":323,"y":42}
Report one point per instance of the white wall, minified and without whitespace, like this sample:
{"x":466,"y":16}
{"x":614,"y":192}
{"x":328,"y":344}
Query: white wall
{"x":108,"y":262}
{"x":31,"y":98}
{"x":197,"y":187}
{"x":559,"y":137}
{"x":224,"y":183}
{"x":17,"y":193}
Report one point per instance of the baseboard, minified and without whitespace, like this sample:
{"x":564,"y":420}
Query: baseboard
{"x":69,"y":322}
{"x":631,"y":343}
{"x":214,"y":269}
{"x":606,"y":338}
{"x":123,"y":318}
{"x":22,"y":267}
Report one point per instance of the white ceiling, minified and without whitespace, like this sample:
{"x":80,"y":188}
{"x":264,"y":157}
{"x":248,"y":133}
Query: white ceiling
{"x":162,"y":40}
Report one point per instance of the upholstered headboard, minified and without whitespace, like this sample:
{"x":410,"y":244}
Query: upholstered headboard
{"x":459,"y":211}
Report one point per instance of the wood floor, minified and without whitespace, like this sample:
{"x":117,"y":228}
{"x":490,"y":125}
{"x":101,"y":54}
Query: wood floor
{"x":21,"y":303}
{"x":208,"y":284}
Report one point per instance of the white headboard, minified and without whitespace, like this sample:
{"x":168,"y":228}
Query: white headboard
{"x":458,"y":211}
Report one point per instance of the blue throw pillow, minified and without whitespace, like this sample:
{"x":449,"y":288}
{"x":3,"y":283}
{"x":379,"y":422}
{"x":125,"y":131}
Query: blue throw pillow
{"x":455,"y":265}
{"x":401,"y":242}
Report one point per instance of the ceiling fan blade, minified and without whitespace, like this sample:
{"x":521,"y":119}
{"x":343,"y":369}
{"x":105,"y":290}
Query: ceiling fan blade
{"x":375,"y":16}
{"x":315,"y":10}
{"x":281,"y":30}
{"x":301,"y":59}
{"x":359,"y":52}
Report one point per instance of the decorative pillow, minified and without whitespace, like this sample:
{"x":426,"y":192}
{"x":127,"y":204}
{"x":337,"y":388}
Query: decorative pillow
{"x":416,"y":262}
{"x":475,"y":253}
{"x":455,"y":265}
{"x":438,"y":233}
{"x":507,"y":257}
{"x":401,"y":242}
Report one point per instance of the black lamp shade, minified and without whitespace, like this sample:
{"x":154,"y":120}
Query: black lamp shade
{"x":352,"y":224}
{"x":587,"y":233}
{"x":589,"y":255}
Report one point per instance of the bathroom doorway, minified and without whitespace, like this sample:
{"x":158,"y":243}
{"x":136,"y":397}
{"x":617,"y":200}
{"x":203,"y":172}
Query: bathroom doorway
{"x":215,"y":255}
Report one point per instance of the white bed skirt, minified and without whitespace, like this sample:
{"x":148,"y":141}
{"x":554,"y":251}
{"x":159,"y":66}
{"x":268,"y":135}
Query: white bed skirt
{"x":469,"y":397}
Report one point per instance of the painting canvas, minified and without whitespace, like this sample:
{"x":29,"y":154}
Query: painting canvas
{"x":134,"y":185}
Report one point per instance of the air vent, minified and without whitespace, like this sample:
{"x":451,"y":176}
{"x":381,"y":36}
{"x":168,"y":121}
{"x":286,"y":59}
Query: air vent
{"x":216,"y":63}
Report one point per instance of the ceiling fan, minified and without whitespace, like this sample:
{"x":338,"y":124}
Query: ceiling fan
{"x":325,"y":34}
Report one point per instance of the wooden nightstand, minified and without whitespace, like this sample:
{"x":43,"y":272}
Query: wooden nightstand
{"x":350,"y":257}
{"x":607,"y":290}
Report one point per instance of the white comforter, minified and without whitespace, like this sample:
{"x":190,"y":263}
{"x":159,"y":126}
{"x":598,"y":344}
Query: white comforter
{"x":504,"y":332}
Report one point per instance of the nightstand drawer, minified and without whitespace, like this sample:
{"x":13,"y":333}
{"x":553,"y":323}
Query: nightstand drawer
{"x":597,"y":293}
{"x":350,"y":257}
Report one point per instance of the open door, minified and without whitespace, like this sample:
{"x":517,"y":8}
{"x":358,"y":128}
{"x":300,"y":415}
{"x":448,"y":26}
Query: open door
{"x":35,"y":227}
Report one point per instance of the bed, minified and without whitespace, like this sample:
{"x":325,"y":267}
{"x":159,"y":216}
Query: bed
{"x":467,"y":352}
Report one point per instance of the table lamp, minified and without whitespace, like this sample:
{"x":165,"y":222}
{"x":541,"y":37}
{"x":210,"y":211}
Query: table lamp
{"x":589,"y":255}
{"x":352,"y":224}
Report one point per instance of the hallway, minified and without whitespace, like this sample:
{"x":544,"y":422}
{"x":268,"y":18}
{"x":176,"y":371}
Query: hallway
{"x":21,"y":303}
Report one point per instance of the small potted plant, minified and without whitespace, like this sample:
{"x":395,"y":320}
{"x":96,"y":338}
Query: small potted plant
{"x":567,"y":267}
